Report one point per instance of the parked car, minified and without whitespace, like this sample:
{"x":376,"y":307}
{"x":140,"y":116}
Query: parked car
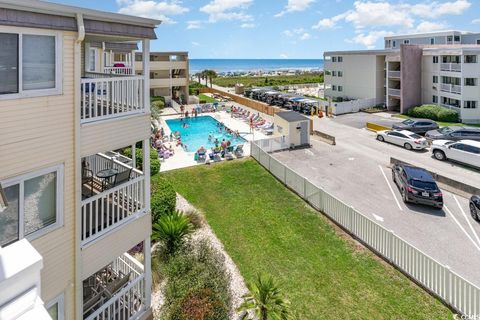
{"x":420,"y":126}
{"x":417,"y":185}
{"x":404,"y":138}
{"x":454,"y":133}
{"x":475,"y":207}
{"x":464,"y":151}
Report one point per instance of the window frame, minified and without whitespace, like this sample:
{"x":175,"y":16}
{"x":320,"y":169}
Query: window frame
{"x":60,"y":300}
{"x":20,"y":180}
{"x":58,"y":89}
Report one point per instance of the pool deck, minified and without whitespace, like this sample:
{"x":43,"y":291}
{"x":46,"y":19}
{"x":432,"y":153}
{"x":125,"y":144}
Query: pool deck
{"x":182,"y":159}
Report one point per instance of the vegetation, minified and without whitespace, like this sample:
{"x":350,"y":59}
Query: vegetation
{"x":197,"y":284}
{"x":156,"y":106}
{"x":269,"y":81}
{"x":207,"y":74}
{"x":434,"y":112}
{"x":172,"y":230}
{"x":154,"y":161}
{"x":441,"y":123}
{"x":194,"y":88}
{"x":163,"y":198}
{"x":266,"y":300}
{"x":374,"y":109}
{"x":265,"y":228}
{"x":206,"y":99}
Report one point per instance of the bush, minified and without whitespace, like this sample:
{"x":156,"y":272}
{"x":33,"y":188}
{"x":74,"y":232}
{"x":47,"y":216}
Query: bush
{"x":197,"y":285}
{"x":156,"y":107}
{"x":154,"y":161}
{"x":434,"y":112}
{"x":202,"y":101}
{"x":154,"y":166}
{"x":172,"y":230}
{"x":163,"y":198}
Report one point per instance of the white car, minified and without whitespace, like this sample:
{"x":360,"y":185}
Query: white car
{"x":407,"y":139}
{"x":464,"y":151}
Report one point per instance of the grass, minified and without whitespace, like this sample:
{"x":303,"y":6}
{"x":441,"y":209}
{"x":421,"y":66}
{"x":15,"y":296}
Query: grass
{"x":206,"y":98}
{"x":269,"y":81}
{"x":266,"y":228}
{"x":440,"y":123}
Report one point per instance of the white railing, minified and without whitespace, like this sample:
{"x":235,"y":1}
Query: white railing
{"x":126,"y":71}
{"x":128,"y":303}
{"x":455,"y":67}
{"x":104,"y":98}
{"x":106,"y":211}
{"x":394,"y":74}
{"x":437,"y":278}
{"x":394,"y":92}
{"x":451,"y":88}
{"x":128,"y":264}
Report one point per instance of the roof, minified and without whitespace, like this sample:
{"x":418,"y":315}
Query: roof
{"x":363,"y":52}
{"x":471,"y":143}
{"x":291,"y":116}
{"x":429,"y":34}
{"x":418,"y":173}
{"x":169,"y":53}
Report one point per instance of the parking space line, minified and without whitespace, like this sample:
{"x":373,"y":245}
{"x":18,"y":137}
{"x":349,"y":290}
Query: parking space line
{"x":466,"y":218}
{"x":391,"y":189}
{"x":461,"y":227}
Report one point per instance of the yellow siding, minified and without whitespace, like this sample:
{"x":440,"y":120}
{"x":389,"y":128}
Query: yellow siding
{"x":114,"y":134}
{"x":114,"y":244}
{"x":37,"y":133}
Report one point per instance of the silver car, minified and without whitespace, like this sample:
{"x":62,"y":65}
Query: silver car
{"x":454,"y":133}
{"x":407,"y":139}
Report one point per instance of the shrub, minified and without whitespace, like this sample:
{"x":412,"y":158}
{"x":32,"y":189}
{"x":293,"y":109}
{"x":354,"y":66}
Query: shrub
{"x":434,"y":112}
{"x":197,"y":285}
{"x":196,"y":219}
{"x":154,"y":161}
{"x":172,"y":230}
{"x":202,"y":101}
{"x":154,"y":166}
{"x":163,"y":198}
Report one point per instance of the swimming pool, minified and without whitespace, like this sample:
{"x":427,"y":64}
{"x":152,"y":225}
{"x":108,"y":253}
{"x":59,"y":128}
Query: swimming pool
{"x":199,"y":128}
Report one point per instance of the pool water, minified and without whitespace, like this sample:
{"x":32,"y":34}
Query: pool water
{"x":199,"y":128}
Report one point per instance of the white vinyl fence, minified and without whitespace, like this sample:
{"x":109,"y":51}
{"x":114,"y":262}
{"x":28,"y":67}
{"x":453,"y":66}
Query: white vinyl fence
{"x":437,"y":278}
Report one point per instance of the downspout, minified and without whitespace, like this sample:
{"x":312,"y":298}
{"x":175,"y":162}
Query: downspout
{"x":77,"y":74}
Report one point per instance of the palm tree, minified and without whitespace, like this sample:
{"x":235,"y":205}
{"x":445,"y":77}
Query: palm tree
{"x":172,"y":229}
{"x":209,"y":75}
{"x":265,"y":300}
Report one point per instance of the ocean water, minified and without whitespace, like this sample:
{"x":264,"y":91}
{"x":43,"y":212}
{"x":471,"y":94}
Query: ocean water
{"x":246,"y":65}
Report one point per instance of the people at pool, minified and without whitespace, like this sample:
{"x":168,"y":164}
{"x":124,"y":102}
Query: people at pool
{"x":185,"y":125}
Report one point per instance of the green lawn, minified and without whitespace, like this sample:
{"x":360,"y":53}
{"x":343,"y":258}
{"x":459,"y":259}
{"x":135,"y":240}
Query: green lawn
{"x":441,"y":124}
{"x":270,"y":80}
{"x":266,"y":228}
{"x":206,"y":98}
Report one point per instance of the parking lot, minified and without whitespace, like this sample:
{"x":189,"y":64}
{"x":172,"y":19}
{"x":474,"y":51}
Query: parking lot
{"x":357,"y":171}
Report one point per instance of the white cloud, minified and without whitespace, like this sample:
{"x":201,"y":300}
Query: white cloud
{"x":247,"y":25}
{"x":295,"y":6}
{"x":436,"y":9}
{"x":299,"y":33}
{"x":283,"y":56}
{"x":476,"y":21}
{"x":194,"y":24}
{"x":219,"y":10}
{"x":328,"y":23}
{"x":428,"y":26}
{"x":370,"y":39}
{"x":195,"y":44}
{"x":161,"y":10}
{"x":305,"y":36}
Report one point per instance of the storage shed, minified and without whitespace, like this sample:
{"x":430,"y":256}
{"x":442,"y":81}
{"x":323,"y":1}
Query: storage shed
{"x":294,"y":126}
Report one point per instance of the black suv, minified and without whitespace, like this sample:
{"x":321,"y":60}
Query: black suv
{"x":420,"y":126}
{"x":417,"y":185}
{"x":475,"y":207}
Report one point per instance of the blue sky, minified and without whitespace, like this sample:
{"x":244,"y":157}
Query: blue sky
{"x":288,"y":28}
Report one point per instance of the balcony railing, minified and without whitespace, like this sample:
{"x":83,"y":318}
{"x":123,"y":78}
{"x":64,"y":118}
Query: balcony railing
{"x":394,"y":92}
{"x":445,"y":87}
{"x":126,"y":71}
{"x":104,"y":98}
{"x":110,"y":208}
{"x":453,"y":67}
{"x":394,"y":74}
{"x":126,"y":302}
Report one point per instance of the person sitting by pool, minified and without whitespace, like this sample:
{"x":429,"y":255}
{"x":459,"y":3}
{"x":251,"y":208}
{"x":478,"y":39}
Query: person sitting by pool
{"x":177,"y":135}
{"x":216,"y":142}
{"x":162,"y":132}
{"x":224,"y":144}
{"x":186,"y":114}
{"x":228,"y":143}
{"x":201,"y":150}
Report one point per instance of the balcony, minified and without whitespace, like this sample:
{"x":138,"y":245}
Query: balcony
{"x":394,"y":74}
{"x":110,"y":97}
{"x":113,"y":194}
{"x":115,"y":292}
{"x":451,"y":67}
{"x":445,"y":87}
{"x":125,"y":71}
{"x":394,"y":92}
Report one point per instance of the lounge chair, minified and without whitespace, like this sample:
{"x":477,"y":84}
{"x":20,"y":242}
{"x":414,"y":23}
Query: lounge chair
{"x":201,"y":156}
{"x":217,"y":155}
{"x":239,"y":151}
{"x":229,"y":153}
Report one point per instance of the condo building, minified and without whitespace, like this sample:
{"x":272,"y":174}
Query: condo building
{"x":168,"y":75}
{"x":75,"y":219}
{"x":440,"y":68}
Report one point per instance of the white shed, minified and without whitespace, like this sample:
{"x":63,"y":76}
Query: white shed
{"x":294,"y":126}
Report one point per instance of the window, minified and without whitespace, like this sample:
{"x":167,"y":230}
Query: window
{"x":334,"y":73}
{"x":435,"y":79}
{"x":406,"y":41}
{"x":471,"y":149}
{"x":432,"y":40}
{"x":340,"y":73}
{"x":456,"y":38}
{"x":29,"y":64}
{"x":92,"y":59}
{"x":471,"y":82}
{"x":435,"y":99}
{"x":451,"y":59}
{"x":34,"y":205}
{"x":470,"y":59}
{"x":394,"y":43}
{"x":340,"y":88}
{"x":334,"y":59}
{"x":340,"y":59}
{"x":449,"y":39}
{"x":478,"y":41}
{"x":470,"y":104}
{"x":334,"y":87}
{"x":435,"y":59}
{"x":56,"y":308}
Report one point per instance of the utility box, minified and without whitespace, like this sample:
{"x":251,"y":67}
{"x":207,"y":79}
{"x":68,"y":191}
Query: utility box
{"x":239,"y":88}
{"x":294,"y":126}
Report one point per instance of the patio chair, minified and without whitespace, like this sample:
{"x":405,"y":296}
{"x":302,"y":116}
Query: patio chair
{"x":239,"y":151}
{"x":122,"y":177}
{"x":87,"y":179}
{"x":116,"y":285}
{"x":229,"y":153}
{"x":201,"y":156}
{"x":93,"y":303}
